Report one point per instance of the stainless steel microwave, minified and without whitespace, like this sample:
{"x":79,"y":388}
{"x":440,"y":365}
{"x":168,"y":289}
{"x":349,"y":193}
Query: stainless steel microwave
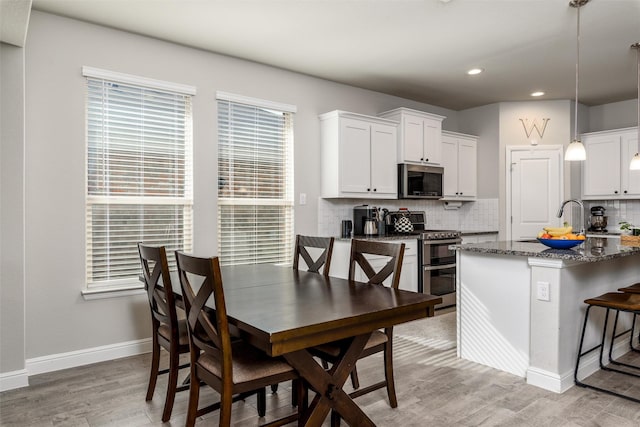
{"x":419,"y":182}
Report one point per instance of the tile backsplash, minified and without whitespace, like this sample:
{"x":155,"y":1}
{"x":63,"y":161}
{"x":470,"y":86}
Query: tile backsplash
{"x":481,"y":215}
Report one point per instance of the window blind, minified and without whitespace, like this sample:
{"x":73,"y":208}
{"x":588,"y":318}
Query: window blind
{"x":139,"y":177}
{"x":255,"y":183}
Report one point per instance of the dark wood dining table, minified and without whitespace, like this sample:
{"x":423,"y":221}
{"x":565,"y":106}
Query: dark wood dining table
{"x":285,"y":312}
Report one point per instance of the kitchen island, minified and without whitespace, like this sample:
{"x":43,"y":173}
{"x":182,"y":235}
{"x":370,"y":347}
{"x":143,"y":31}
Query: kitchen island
{"x":521,"y":305}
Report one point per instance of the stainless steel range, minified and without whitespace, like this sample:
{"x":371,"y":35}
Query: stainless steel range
{"x":436,"y":262}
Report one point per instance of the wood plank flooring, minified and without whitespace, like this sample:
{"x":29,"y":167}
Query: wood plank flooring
{"x":434,"y":389}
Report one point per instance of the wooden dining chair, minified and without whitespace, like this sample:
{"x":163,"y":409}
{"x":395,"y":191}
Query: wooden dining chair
{"x":167,"y":331}
{"x":304,"y":242}
{"x":233,"y":368}
{"x":380,"y":341}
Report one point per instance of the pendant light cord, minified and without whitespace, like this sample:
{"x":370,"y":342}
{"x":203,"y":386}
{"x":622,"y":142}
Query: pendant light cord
{"x":636,"y":46}
{"x":575,"y":115}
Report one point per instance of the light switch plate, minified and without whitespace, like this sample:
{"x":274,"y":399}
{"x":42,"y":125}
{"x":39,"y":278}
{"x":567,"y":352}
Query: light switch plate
{"x":303,"y":198}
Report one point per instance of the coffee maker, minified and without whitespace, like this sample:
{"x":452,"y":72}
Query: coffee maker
{"x":598,"y":219}
{"x":363,"y":218}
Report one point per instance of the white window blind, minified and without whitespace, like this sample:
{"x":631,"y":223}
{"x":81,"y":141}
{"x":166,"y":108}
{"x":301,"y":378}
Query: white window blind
{"x":139,"y":175}
{"x":255,"y":182}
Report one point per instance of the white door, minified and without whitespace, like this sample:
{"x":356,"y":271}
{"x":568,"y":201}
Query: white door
{"x":384,"y":169}
{"x":355,"y":156}
{"x":467,"y":168}
{"x":535,"y":193}
{"x":450,"y":164}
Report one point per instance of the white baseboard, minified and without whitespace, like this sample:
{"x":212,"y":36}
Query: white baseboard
{"x":14,"y":379}
{"x":56,"y":362}
{"x":588,"y":366}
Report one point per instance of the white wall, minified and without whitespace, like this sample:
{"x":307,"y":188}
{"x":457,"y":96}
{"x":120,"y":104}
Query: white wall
{"x":12,"y":303}
{"x":613,"y":116}
{"x":58,"y":318}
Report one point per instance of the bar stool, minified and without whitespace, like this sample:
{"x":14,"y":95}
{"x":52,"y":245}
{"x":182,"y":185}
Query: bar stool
{"x":633,"y":289}
{"x":620,"y":302}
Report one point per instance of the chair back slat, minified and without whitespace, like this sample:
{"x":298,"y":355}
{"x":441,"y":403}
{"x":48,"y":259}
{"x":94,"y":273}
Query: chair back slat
{"x":204,"y":335}
{"x":155,"y":270}
{"x":304,"y":242}
{"x":393,"y":266}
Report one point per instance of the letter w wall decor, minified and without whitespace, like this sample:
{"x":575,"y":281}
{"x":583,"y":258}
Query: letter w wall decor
{"x":528,"y":128}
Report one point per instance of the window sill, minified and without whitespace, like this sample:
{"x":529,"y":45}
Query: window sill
{"x":113,"y":292}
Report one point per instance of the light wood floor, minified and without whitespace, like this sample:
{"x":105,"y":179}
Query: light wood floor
{"x":434,"y":389}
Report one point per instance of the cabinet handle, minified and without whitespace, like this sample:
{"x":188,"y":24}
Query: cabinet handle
{"x":615,"y":192}
{"x":456,"y":193}
{"x":426,"y":160}
{"x":375,"y":189}
{"x":461,"y":193}
{"x":422,"y":159}
{"x":368,"y":189}
{"x":625,"y":191}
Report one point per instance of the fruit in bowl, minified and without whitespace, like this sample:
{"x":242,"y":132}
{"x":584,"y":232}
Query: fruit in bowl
{"x":560,"y":237}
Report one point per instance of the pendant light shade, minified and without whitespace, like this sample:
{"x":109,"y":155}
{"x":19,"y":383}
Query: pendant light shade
{"x":575,"y":150}
{"x":635,"y":162}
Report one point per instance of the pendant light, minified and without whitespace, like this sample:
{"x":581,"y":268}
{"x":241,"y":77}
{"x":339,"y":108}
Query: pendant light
{"x":575,"y":150}
{"x":635,"y":162}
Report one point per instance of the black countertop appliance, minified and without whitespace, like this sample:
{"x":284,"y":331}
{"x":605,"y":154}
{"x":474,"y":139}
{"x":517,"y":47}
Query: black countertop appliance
{"x":360,"y":215}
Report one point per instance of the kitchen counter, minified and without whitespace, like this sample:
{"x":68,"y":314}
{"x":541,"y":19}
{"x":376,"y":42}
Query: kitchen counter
{"x":520,"y":305}
{"x":592,"y":250}
{"x":386,"y":237}
{"x":476,"y":232}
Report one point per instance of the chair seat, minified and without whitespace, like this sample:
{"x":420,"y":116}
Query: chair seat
{"x":183,"y":336}
{"x":333,"y":349}
{"x":633,"y":289}
{"x":249,"y":364}
{"x":617,"y":301}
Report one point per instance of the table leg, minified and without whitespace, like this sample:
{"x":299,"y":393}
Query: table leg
{"x":328,"y":385}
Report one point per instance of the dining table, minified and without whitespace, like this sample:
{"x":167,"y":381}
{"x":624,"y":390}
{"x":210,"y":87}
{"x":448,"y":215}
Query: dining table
{"x":285,"y":312}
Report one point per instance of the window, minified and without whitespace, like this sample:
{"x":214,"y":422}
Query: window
{"x":255,"y":181}
{"x":139,"y":174}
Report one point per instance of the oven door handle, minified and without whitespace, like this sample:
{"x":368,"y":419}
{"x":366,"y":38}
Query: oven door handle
{"x":442,"y":242}
{"x":438,"y":267}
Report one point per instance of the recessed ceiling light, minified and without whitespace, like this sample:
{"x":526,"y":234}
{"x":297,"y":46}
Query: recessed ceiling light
{"x":474,"y":71}
{"x":538,"y":93}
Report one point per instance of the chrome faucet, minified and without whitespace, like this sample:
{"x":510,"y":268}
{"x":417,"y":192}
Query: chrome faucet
{"x":579,"y":203}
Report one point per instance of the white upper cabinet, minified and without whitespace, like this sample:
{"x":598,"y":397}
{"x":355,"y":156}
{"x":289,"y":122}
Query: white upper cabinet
{"x":605,"y":173}
{"x":358,"y":156}
{"x":459,"y":160}
{"x":419,"y":136}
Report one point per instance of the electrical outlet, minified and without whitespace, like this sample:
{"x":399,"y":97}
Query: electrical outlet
{"x":303,"y":198}
{"x":543,"y":291}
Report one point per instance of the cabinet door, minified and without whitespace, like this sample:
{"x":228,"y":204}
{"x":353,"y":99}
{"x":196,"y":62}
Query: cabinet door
{"x":467,"y":167}
{"x":601,"y":170}
{"x":630,"y":179}
{"x":450,"y":164}
{"x":413,"y":137}
{"x":384,"y":170}
{"x":432,"y":141}
{"x":355,"y":156}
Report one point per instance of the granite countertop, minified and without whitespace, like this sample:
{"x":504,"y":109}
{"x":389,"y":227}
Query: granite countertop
{"x":472,"y":232}
{"x":592,"y":250}
{"x":386,"y":237}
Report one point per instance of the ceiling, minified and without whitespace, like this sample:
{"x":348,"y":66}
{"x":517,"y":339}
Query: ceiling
{"x":415,"y":49}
